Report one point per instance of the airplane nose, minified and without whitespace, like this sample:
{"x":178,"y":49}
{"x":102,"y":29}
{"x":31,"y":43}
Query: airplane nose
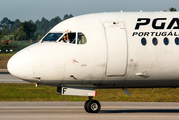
{"x":20,"y":64}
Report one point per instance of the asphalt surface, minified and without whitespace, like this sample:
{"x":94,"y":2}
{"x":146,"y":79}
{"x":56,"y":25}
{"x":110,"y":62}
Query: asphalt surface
{"x":75,"y":111}
{"x":8,"y":78}
{"x":4,"y":71}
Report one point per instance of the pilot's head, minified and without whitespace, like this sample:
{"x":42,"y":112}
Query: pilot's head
{"x":64,"y":37}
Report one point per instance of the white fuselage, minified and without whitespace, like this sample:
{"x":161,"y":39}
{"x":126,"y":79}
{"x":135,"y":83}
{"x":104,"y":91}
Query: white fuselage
{"x":113,"y":55}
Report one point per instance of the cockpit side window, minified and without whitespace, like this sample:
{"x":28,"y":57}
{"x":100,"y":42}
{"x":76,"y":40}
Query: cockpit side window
{"x":71,"y":37}
{"x":81,"y":38}
{"x":52,"y":37}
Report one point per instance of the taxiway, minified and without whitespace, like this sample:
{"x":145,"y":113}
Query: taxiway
{"x":75,"y":111}
{"x":5,"y":77}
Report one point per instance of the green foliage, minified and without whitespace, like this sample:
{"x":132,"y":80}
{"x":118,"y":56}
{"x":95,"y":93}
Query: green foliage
{"x":67,"y":16}
{"x":16,"y":25}
{"x":3,"y":32}
{"x":9,"y":25}
{"x":54,"y":21}
{"x":7,"y":37}
{"x":28,"y":92}
{"x":4,"y":59}
{"x":14,"y":46}
{"x":19,"y":34}
{"x":21,"y":44}
{"x":29,"y":28}
{"x":172,"y":9}
{"x":42,"y":26}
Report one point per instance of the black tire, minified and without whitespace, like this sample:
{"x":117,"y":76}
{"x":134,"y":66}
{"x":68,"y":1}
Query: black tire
{"x":86,"y":106}
{"x":93,"y":106}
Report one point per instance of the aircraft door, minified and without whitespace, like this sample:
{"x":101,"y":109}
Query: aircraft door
{"x":116,"y":48}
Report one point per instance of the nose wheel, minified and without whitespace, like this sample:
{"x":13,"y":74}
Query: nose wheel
{"x":92,"y":106}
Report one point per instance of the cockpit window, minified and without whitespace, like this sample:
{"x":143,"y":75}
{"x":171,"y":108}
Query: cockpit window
{"x":52,"y":37}
{"x":81,"y":38}
{"x":71,"y":37}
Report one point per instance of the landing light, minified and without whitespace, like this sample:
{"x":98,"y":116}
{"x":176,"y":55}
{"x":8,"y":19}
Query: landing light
{"x":36,"y":85}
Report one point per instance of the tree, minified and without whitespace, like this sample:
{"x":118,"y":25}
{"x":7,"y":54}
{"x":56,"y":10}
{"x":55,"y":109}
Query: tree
{"x":172,"y":9}
{"x":29,"y":28}
{"x":3,"y":32}
{"x":15,"y":26}
{"x":44,"y":25}
{"x":67,"y":16}
{"x":55,"y":21}
{"x":19,"y":34}
{"x":6,"y":23}
{"x":70,"y":16}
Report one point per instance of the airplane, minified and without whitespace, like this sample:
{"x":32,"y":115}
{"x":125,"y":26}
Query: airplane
{"x":104,"y":51}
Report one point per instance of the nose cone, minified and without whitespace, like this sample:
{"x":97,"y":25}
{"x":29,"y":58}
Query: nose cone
{"x":20,"y":65}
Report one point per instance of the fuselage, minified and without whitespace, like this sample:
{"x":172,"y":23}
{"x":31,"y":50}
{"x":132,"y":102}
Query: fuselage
{"x":122,"y":50}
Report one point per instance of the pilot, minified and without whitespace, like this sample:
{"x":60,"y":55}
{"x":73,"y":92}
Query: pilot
{"x":65,"y":37}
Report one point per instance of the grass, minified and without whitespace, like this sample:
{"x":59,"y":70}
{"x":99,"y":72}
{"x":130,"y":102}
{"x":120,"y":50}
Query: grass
{"x":28,"y":92}
{"x":4,"y":59}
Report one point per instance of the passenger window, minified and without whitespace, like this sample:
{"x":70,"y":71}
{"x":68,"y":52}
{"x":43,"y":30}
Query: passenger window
{"x":155,"y":41}
{"x":143,"y":41}
{"x":81,"y":38}
{"x":177,"y":41}
{"x":166,"y":41}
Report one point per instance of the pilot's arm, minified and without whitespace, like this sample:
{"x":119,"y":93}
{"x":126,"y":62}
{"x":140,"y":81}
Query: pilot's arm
{"x":67,"y":31}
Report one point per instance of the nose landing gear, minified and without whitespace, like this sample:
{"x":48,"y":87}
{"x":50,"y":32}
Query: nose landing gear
{"x":92,"y":106}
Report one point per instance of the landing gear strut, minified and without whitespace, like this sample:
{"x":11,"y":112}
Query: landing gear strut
{"x":92,"y":106}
